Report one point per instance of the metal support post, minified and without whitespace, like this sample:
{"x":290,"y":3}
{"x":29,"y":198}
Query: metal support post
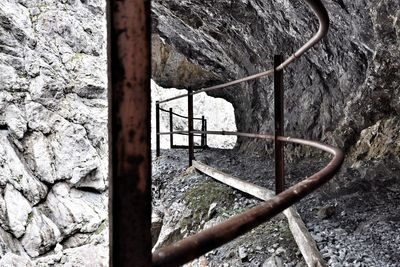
{"x":129,"y":133}
{"x":203,"y":129}
{"x":157,"y":129}
{"x":190,"y":126}
{"x":205,"y":135}
{"x":171,"y":128}
{"x":279,"y":125}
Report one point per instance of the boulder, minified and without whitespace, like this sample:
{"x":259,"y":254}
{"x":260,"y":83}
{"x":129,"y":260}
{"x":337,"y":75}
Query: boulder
{"x":18,"y":210}
{"x":73,"y":210}
{"x":41,"y":234}
{"x":14,"y":260}
{"x":273,"y":261}
{"x":13,"y":171}
{"x":156,"y":225}
{"x":9,"y":244}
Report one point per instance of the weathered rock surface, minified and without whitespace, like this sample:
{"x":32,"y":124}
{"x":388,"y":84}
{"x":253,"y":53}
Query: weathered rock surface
{"x":13,"y":171}
{"x":41,"y":234}
{"x":342,"y":86}
{"x":73,"y":210}
{"x":156,"y":225}
{"x":9,"y":244}
{"x":53,"y":136}
{"x":168,"y":235}
{"x":273,"y":261}
{"x":378,"y":141}
{"x":87,"y":255}
{"x":14,"y":260}
{"x":18,"y":210}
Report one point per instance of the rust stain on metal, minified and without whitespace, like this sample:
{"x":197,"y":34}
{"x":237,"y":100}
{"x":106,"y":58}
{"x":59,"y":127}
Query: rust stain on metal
{"x":190,"y":127}
{"x":130,"y":57}
{"x":130,"y":199}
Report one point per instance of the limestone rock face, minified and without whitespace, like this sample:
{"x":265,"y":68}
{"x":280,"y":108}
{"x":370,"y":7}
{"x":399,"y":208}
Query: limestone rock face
{"x":13,"y":171}
{"x":9,"y":244}
{"x":41,"y":234}
{"x":75,"y":157}
{"x":345,"y":84}
{"x":15,"y":260}
{"x":53,"y":129}
{"x":74,"y":210}
{"x":18,"y":210}
{"x":378,"y":141}
{"x":87,"y":255}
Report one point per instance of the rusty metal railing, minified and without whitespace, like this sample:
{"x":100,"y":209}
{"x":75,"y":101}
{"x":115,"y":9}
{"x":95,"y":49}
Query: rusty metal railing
{"x":203,"y":136}
{"x":206,"y":240}
{"x":129,"y":132}
{"x":194,"y":246}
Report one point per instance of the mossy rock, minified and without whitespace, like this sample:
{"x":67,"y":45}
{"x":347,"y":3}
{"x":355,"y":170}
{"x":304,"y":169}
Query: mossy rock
{"x":200,"y":197}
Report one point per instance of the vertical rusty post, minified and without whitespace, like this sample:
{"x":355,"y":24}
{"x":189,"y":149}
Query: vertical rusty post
{"x":190,"y":126}
{"x":171,"y":128}
{"x":203,"y":139}
{"x":157,"y":129}
{"x":205,"y":135}
{"x":129,"y":132}
{"x":279,"y":124}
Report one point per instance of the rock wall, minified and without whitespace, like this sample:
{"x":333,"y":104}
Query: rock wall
{"x":53,"y":133}
{"x":346,"y":84}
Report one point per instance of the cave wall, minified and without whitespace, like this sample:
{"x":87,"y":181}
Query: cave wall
{"x":343,"y":91}
{"x":53,"y":133}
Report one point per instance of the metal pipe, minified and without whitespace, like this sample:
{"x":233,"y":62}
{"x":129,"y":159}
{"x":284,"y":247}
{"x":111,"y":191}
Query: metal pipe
{"x":171,"y":129}
{"x":203,"y":129}
{"x":205,"y":134}
{"x":186,"y":147}
{"x":178,"y":132}
{"x":319,"y":10}
{"x":194,"y":246}
{"x":129,"y":128}
{"x":190,"y":127}
{"x":279,"y":125}
{"x":157,"y":129}
{"x":179,"y":115}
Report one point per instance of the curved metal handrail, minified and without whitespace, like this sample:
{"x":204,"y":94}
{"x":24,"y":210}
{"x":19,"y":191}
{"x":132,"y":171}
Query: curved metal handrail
{"x":206,"y":240}
{"x":323,"y":18}
{"x":179,"y":115}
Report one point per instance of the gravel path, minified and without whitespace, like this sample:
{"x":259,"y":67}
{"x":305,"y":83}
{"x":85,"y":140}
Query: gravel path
{"x":177,"y":194}
{"x":355,"y":218}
